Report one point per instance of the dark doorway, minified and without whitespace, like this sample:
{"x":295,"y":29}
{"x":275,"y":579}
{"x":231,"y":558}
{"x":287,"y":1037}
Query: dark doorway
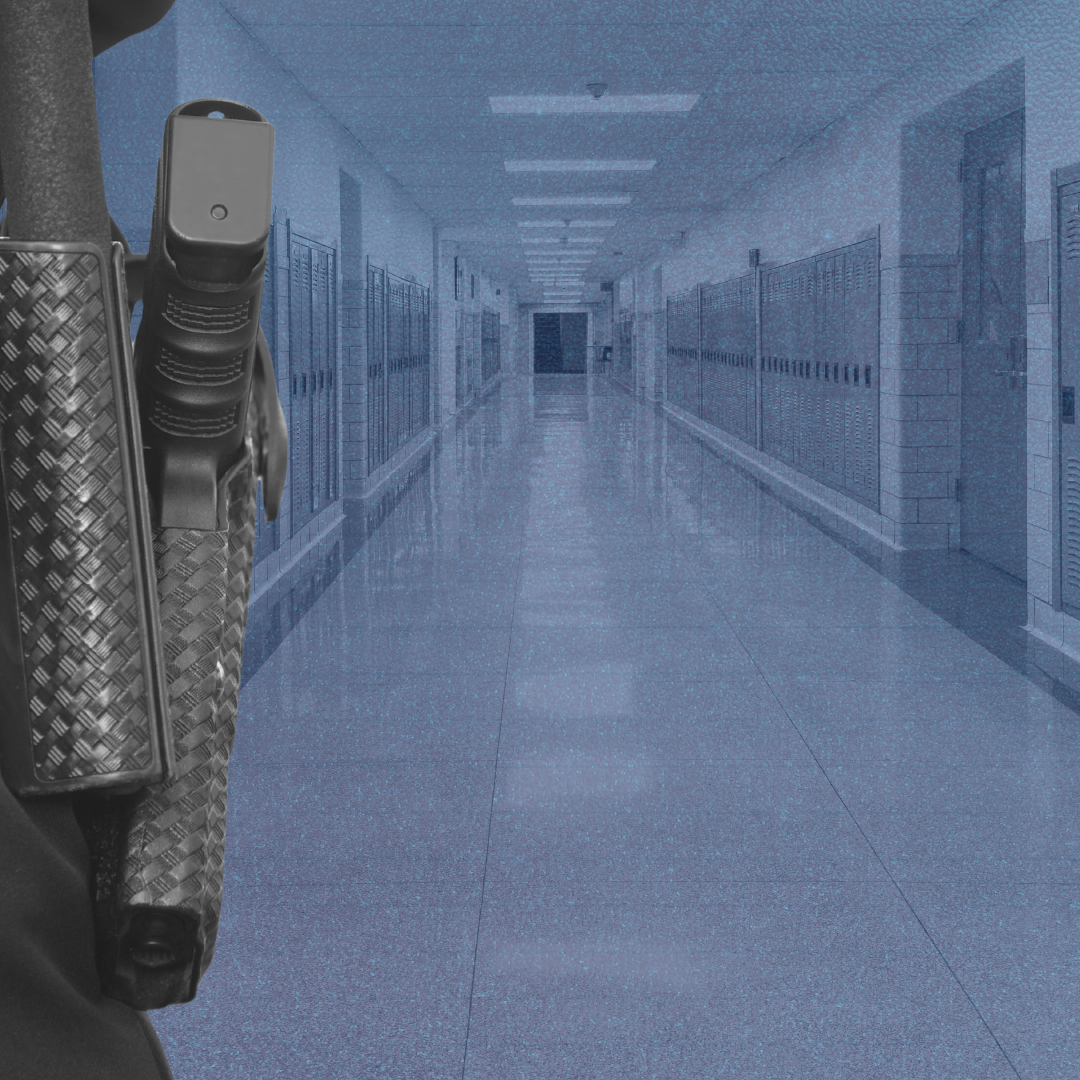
{"x":559,"y":342}
{"x":993,"y":403}
{"x":547,"y":343}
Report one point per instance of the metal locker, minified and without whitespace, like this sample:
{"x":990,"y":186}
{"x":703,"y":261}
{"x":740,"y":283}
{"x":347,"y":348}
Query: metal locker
{"x":405,"y":344}
{"x":624,"y":351}
{"x":712,"y":388}
{"x":319,"y":362}
{"x":671,"y":371}
{"x":459,"y":359}
{"x":396,"y":352}
{"x":819,"y":327}
{"x":1067,"y":258}
{"x":474,"y":353}
{"x":425,"y":350}
{"x":299,"y":399}
{"x":376,"y":367}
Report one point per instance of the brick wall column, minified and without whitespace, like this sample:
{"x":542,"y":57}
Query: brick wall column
{"x":920,"y":400}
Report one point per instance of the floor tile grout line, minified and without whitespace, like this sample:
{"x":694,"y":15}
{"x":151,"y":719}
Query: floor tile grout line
{"x":491,"y":809}
{"x":856,"y":823}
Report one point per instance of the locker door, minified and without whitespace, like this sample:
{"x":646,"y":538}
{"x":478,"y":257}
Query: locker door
{"x":425,"y":345}
{"x":333,"y":479}
{"x":1068,"y":303}
{"x":299,"y":363}
{"x":395,"y":352}
{"x":407,"y":374}
{"x":711,"y":367}
{"x":768,"y":346}
{"x":376,"y":365}
{"x":459,"y":359}
{"x":669,"y":370}
{"x":318,"y":378}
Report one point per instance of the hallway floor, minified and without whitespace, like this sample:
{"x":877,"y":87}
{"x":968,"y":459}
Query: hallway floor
{"x":596,"y":760}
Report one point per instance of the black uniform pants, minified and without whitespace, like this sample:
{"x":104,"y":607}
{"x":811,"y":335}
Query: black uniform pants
{"x":55,"y":1024}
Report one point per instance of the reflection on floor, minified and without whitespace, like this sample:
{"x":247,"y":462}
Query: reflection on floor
{"x":589,"y":756}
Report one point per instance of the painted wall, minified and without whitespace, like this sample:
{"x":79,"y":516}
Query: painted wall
{"x":892,"y":163}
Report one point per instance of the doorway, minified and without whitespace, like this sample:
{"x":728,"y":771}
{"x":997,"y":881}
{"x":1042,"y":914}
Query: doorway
{"x":559,"y":342}
{"x":993,"y":402}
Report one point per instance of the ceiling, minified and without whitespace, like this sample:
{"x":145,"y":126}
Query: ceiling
{"x":412,"y":80}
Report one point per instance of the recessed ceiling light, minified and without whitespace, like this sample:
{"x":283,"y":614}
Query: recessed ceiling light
{"x":584,"y":104}
{"x":597,"y":165}
{"x":573,"y":200}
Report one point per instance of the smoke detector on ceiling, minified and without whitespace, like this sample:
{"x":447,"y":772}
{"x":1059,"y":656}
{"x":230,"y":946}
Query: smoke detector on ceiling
{"x":597,"y":89}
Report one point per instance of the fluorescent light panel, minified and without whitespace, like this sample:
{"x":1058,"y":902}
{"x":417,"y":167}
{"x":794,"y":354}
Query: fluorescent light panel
{"x":559,"y":240}
{"x":586,"y":104}
{"x":573,"y":200}
{"x":596,"y":165}
{"x":580,"y":224}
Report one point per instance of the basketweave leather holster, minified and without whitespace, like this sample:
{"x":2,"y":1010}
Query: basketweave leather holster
{"x":83,"y":701}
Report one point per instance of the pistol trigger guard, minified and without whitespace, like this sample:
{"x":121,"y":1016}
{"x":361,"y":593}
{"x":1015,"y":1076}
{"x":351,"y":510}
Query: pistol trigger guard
{"x":135,"y":275}
{"x":272,"y":452}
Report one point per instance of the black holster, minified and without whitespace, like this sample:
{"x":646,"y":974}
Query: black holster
{"x":83,"y":702}
{"x":159,"y":854}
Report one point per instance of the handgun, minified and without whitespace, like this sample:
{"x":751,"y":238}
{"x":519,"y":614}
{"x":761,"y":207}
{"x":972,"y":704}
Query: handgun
{"x":158,"y":854}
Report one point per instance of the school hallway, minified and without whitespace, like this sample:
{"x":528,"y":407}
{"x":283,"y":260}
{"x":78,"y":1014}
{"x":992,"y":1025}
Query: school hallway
{"x":591,"y":756}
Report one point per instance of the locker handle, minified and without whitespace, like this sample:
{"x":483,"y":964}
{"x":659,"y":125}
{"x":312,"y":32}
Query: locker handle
{"x":1068,"y":404}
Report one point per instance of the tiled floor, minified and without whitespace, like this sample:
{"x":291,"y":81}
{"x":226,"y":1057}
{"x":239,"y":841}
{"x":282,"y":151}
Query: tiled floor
{"x":596,"y":760}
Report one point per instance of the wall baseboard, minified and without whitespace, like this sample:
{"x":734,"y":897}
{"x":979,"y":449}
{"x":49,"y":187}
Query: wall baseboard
{"x":846,"y":517}
{"x":269,"y":571}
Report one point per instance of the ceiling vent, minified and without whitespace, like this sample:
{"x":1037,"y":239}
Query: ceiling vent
{"x":597,"y":89}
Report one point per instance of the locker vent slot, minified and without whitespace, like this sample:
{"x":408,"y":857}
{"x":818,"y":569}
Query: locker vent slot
{"x":1071,"y":569}
{"x":1072,"y":238}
